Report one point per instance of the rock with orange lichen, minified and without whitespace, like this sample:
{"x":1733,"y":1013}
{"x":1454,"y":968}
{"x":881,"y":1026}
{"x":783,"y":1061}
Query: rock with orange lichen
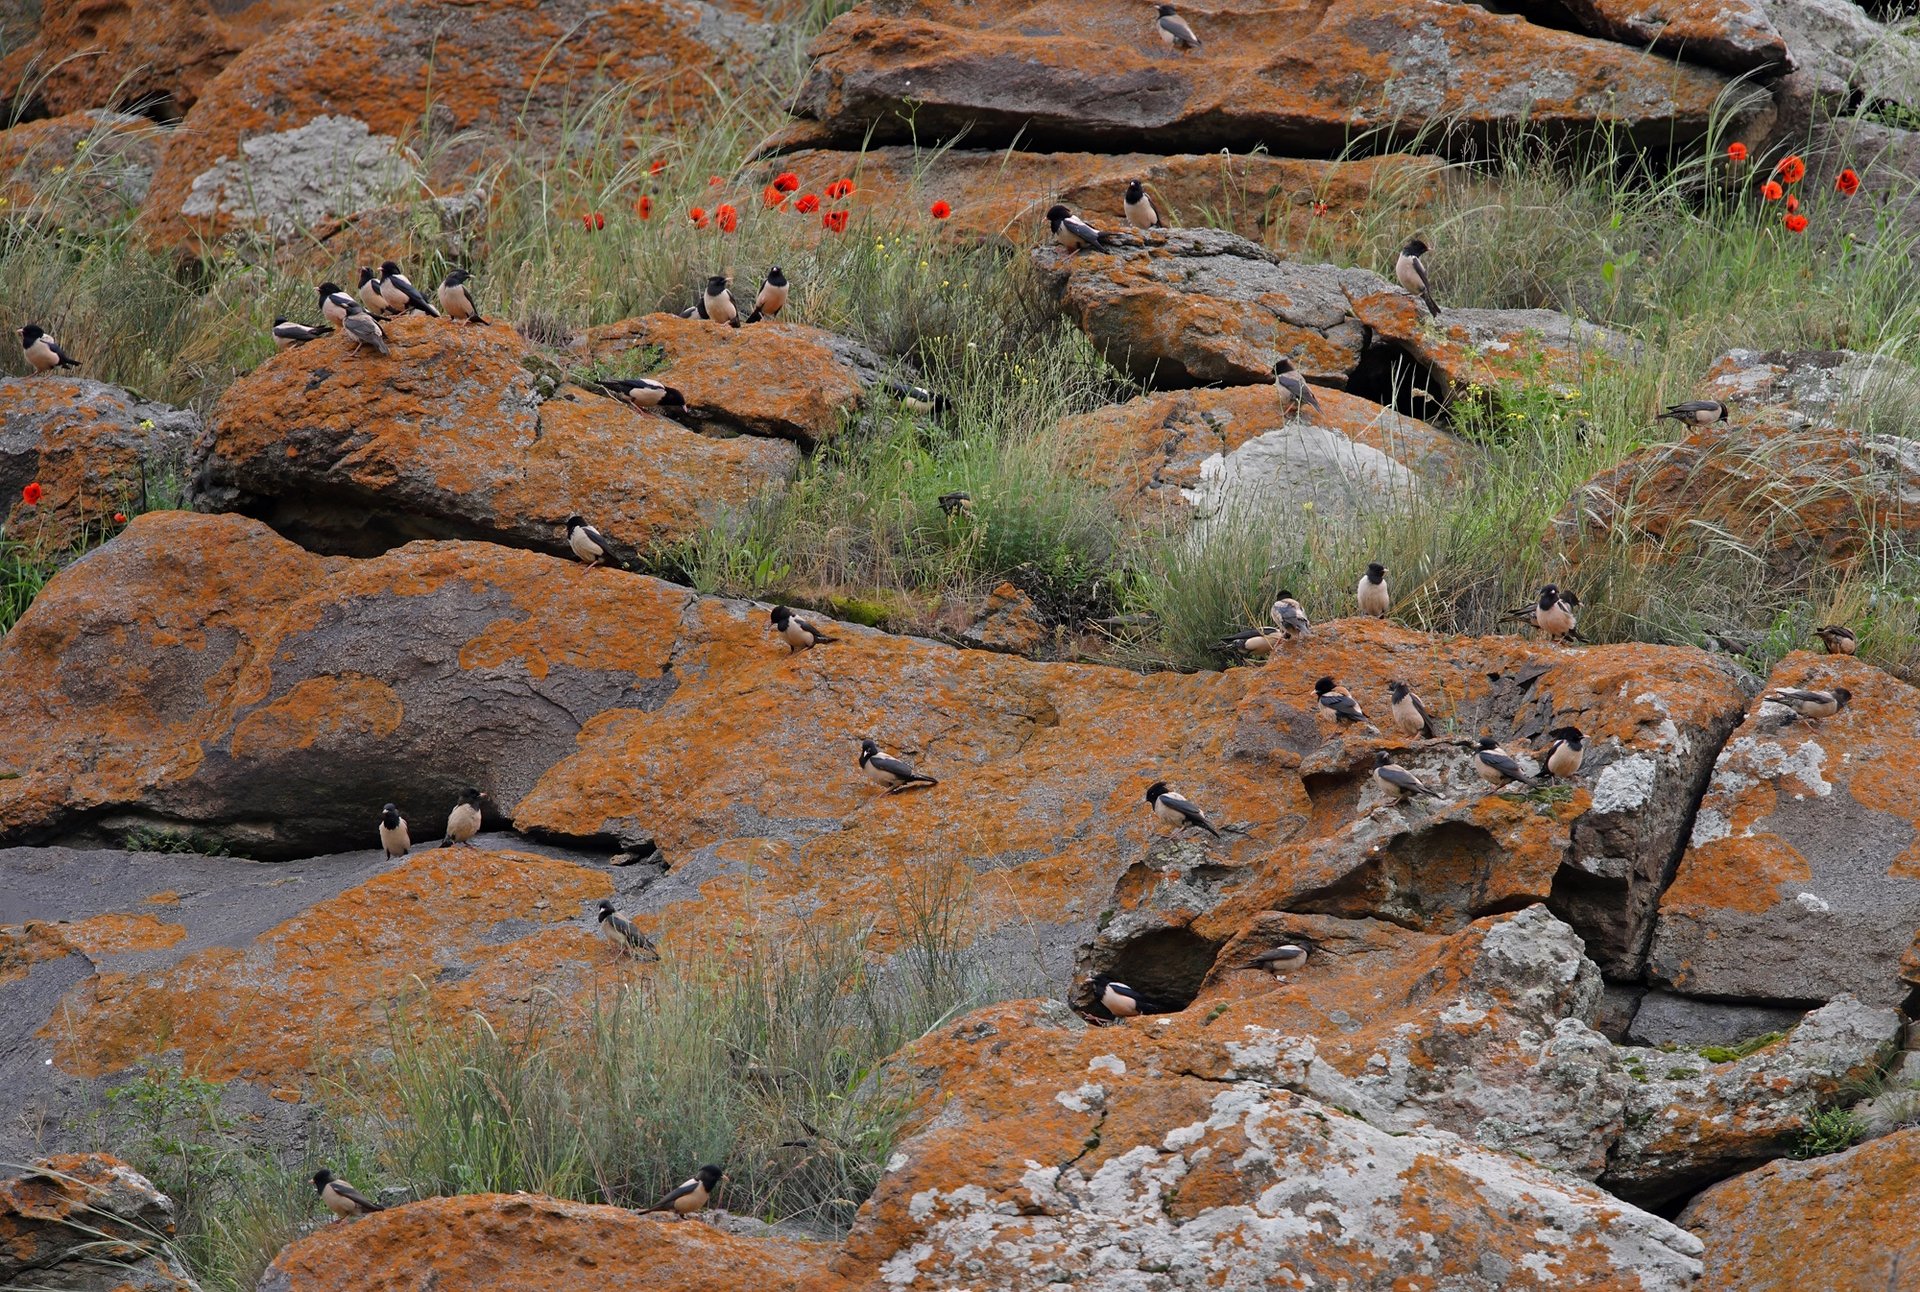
{"x":1439,"y":359}
{"x":525,"y":1243}
{"x":85,"y":171}
{"x":1006,"y":71}
{"x":1737,"y":35}
{"x":87,"y":1222}
{"x":1802,"y":877}
{"x":280,"y":141}
{"x":463,"y":432}
{"x":93,"y":449}
{"x":1842,"y":1222}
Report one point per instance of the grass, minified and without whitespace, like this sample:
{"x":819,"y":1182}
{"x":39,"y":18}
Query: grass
{"x":1830,"y":1130}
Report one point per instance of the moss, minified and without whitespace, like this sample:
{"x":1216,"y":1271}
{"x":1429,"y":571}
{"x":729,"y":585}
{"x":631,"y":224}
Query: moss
{"x":1729,"y":1053}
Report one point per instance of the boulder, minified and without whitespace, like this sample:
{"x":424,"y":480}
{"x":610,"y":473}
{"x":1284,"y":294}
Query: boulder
{"x":467,"y":432}
{"x":1192,"y":307}
{"x":1839,"y":1221}
{"x":86,"y":171}
{"x":1802,"y":878}
{"x":1799,"y":390}
{"x":1003,"y":70}
{"x":1446,"y":358}
{"x":1734,"y":35}
{"x":87,"y":1222}
{"x":93,"y":449}
{"x":1844,"y":56}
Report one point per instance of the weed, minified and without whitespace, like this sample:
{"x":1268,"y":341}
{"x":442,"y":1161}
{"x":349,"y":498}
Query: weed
{"x":1830,"y":1130}
{"x":1730,"y":1053}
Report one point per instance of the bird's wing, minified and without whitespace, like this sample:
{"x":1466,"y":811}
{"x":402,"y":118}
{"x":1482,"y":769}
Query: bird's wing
{"x":893,"y":766}
{"x":1404,"y":779}
{"x":674,"y":1197}
{"x":1420,"y":709}
{"x":1189,"y":810}
{"x":813,"y":629}
{"x":1420,"y":272}
{"x":356,"y":1197}
{"x":1503,"y":764}
{"x":1290,"y":617}
{"x":1696,"y":406}
{"x":1081,"y":229}
{"x":1793,"y":695}
{"x":1278,"y":953}
{"x":1176,"y":27}
{"x":1343,"y":705}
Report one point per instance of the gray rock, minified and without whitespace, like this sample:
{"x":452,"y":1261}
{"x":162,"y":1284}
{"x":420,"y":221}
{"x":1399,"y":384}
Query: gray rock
{"x":1799,"y":389}
{"x":1731,"y":34}
{"x":290,"y":179}
{"x":1300,"y":463}
{"x":87,"y":1223}
{"x":1844,"y":53}
{"x":1666,"y":1019}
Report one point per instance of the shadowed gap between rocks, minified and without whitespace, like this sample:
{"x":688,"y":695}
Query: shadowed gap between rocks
{"x":1166,"y":966}
{"x":1391,"y":377}
{"x":1433,"y":878}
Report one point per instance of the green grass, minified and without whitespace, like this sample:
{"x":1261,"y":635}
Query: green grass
{"x":1730,"y":1053}
{"x":1830,"y":1130}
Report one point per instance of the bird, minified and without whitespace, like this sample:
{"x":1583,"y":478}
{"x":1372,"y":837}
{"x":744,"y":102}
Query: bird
{"x":464,"y":821}
{"x":1553,"y":614}
{"x":1283,"y":958}
{"x":1838,"y":639}
{"x":894,"y":773}
{"x":1338,"y":701}
{"x":1138,"y":207}
{"x":1372,"y":592}
{"x":1292,"y":388}
{"x":772,"y":298}
{"x":589,"y":544}
{"x":400,"y":294}
{"x":1700,"y":412}
{"x":1812,"y":705}
{"x":1118,"y":999}
{"x":1410,"y":268}
{"x":1397,"y":780}
{"x":716,"y":302}
{"x":1176,"y":809}
{"x":341,"y":1198}
{"x":1496,"y":766}
{"x":363,"y":328}
{"x":456,"y":298}
{"x":957,"y":503}
{"x":692,"y":1196}
{"x":1565,"y":753}
{"x":796,"y":632}
{"x":644,"y":393}
{"x":1287,"y":613}
{"x":287,"y":333}
{"x":620,"y":931}
{"x":372,"y":299}
{"x":42,"y":351}
{"x":1252,"y":641}
{"x":334,"y":304}
{"x":918,"y":398}
{"x":393,"y":832}
{"x":1073,"y":233}
{"x":1408,"y":713}
{"x":1174,"y":32}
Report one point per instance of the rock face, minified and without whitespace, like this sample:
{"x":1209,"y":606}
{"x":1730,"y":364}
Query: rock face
{"x":1440,"y":358}
{"x":1736,"y":35}
{"x":1798,"y":390}
{"x":466,"y":432}
{"x":1801,"y":878}
{"x":93,"y":449}
{"x":1833,"y":1222}
{"x":1292,"y":77}
{"x":85,"y":171}
{"x":87,"y":1223}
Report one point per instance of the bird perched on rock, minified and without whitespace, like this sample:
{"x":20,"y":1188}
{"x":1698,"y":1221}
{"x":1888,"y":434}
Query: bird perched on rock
{"x":1838,"y":639}
{"x":1338,"y":701}
{"x":1138,"y":207}
{"x":644,"y":393}
{"x":1372,"y":592}
{"x":1553,"y":614}
{"x":1564,"y":755}
{"x":341,"y":1198}
{"x":1496,"y":766}
{"x":1696,"y":412}
{"x":957,"y":503}
{"x":1409,"y":714}
{"x":456,"y":298}
{"x":1812,"y":705}
{"x":716,"y":302}
{"x":335,"y":304}
{"x":1397,"y":780}
{"x":917,"y":398}
{"x":464,"y":821}
{"x":1252,"y":641}
{"x":1176,"y":810}
{"x":394,"y":840}
{"x":796,"y":632}
{"x":1173,"y":29}
{"x":1293,"y":389}
{"x":363,"y":328}
{"x":884,"y":769}
{"x":621,"y":932}
{"x":400,"y":294}
{"x":1283,"y":959}
{"x":1073,"y":233}
{"x":1118,"y":999}
{"x":590,"y":545}
{"x":692,"y":1196}
{"x":287,"y":333}
{"x":1286,"y":612}
{"x":1410,"y":269}
{"x":772,"y":298}
{"x":42,"y":352}
{"x":371,"y":298}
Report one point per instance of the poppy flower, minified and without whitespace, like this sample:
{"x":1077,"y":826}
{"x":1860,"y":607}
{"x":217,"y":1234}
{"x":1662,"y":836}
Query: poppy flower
{"x":32,"y":494}
{"x":1736,"y":152}
{"x":806,"y":204}
{"x":1847,"y":184}
{"x":772,"y":196}
{"x":714,"y":181}
{"x":839,"y":189}
{"x":1793,"y":204}
{"x":594,"y":221}
{"x":699,"y":217}
{"x":644,"y":208}
{"x":656,"y":167}
{"x":1772,"y":191}
{"x":1321,"y":208}
{"x":1796,"y":223}
{"x":786,"y":182}
{"x":835,"y":220}
{"x":941,"y":210}
{"x":727,"y":218}
{"x":119,"y":517}
{"x":1791,"y":169}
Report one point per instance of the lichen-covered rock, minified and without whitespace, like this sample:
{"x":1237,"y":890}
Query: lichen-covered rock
{"x":1736,"y":35}
{"x":1796,"y":390}
{"x":468,"y":432}
{"x":1845,"y":55}
{"x":87,"y":1222}
{"x":85,"y":171}
{"x":1802,"y":878}
{"x":94,"y":450}
{"x":1466,"y":348}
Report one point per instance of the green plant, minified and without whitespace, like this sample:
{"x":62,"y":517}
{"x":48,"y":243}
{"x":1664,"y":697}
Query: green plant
{"x":1829,"y":1130}
{"x":144,"y":838}
{"x":1730,"y":1053}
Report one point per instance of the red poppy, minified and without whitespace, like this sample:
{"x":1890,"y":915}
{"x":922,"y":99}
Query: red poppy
{"x":1772,"y":191}
{"x":839,"y":189}
{"x":727,"y":218}
{"x":835,"y":220}
{"x":699,"y":217}
{"x":1793,"y":204}
{"x":806,"y":204}
{"x":1791,"y":169}
{"x":1796,"y":223}
{"x":644,"y":208}
{"x":657,"y":167}
{"x":32,"y":494}
{"x":772,"y":196}
{"x":1321,"y":208}
{"x":941,"y":210}
{"x":593,"y":221}
{"x":1848,"y":184}
{"x":714,"y":181}
{"x":1736,"y":152}
{"x":786,"y":182}
{"x":119,"y":517}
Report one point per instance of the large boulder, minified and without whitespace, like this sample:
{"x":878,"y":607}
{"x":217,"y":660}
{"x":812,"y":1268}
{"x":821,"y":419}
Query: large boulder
{"x":86,"y":171}
{"x":1735,"y":35}
{"x":1450,"y":357}
{"x":87,"y":1222}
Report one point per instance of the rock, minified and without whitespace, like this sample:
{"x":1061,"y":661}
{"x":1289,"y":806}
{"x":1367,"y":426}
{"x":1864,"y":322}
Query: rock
{"x":1735,"y":35}
{"x":87,"y":1222}
{"x":1165,"y":456}
{"x":1798,"y":390}
{"x":519,"y":1242}
{"x":1105,"y":80}
{"x":463,"y":432}
{"x":86,"y":171}
{"x":1666,"y":1019}
{"x":1879,"y":155}
{"x":1199,"y":306}
{"x":1799,"y":883}
{"x":278,"y":142}
{"x":93,"y":449}
{"x":1897,"y":1105}
{"x":1831,"y":1222}
{"x":1846,"y":56}
{"x":1009,"y":622}
{"x":1003,"y":195}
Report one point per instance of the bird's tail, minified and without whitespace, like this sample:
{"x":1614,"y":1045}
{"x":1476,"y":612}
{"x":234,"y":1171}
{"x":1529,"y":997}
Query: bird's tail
{"x":756,"y":316}
{"x":322,"y":329}
{"x":921,"y":778}
{"x":1432,"y":305}
{"x":475,"y":318}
